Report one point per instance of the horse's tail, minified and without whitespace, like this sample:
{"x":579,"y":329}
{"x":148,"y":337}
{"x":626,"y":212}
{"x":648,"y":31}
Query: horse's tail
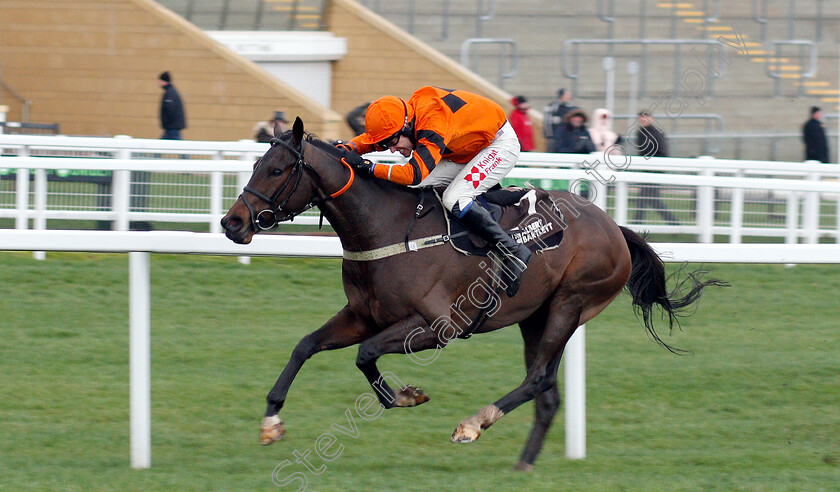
{"x":647,"y":286}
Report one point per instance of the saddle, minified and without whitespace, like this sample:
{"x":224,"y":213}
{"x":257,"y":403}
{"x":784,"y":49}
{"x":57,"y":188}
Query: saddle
{"x":529,"y":216}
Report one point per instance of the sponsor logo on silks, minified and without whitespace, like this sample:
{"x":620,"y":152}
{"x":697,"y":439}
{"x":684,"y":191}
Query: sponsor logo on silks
{"x":475,"y":176}
{"x":483,"y":168}
{"x":533,"y":230}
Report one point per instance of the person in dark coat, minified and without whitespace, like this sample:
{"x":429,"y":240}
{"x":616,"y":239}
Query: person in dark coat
{"x":356,"y":119}
{"x":264,"y":130}
{"x":553,"y":114}
{"x":172,"y":120}
{"x":813,"y":134}
{"x":651,"y":142}
{"x":650,"y":139}
{"x":571,"y":136}
{"x":172,"y":116}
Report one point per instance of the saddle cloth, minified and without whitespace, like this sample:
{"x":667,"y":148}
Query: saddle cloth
{"x":529,"y":216}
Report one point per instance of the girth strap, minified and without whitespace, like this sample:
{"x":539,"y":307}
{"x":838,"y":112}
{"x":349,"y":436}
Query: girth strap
{"x":396,"y":249}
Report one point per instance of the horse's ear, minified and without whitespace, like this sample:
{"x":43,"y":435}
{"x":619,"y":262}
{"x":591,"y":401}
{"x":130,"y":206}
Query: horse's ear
{"x":297,"y":130}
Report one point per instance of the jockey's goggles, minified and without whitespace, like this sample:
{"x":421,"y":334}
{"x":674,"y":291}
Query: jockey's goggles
{"x":390,"y":141}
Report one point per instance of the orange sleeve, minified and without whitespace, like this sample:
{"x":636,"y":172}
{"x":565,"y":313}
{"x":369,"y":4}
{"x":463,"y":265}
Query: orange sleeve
{"x":432,"y":130}
{"x":424,"y":158}
{"x":407,"y":174}
{"x":359,"y":147}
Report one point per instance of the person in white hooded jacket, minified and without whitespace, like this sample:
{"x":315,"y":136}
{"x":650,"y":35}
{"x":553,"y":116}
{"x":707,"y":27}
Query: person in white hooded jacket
{"x":604,"y":138}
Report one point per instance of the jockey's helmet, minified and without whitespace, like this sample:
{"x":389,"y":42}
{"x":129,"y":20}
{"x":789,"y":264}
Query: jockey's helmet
{"x":384,"y":118}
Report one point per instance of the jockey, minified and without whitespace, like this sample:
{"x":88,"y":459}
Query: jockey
{"x":452,"y":138}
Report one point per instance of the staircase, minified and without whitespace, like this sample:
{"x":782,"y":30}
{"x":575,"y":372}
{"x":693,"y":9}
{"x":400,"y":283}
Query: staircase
{"x":249,"y":15}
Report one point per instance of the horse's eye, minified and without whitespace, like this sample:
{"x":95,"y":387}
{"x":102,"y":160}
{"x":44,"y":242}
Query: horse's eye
{"x":276,"y":172}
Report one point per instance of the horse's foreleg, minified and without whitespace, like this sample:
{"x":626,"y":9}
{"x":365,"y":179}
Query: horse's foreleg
{"x":407,"y":336}
{"x":563,"y":318}
{"x":342,"y":330}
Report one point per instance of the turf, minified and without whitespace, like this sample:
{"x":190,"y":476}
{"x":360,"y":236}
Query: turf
{"x":754,"y":407}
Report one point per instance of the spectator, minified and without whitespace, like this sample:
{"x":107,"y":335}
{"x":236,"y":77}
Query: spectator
{"x":521,"y":123}
{"x":356,"y":119}
{"x":172,"y":116}
{"x":264,"y":130}
{"x":651,"y":142}
{"x":553,"y":114}
{"x":604,"y":138}
{"x":571,"y":136}
{"x":650,"y":139}
{"x":172,"y":120}
{"x":813,"y":134}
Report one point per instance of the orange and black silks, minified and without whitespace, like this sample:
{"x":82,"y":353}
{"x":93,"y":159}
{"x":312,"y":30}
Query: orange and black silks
{"x":448,"y":124}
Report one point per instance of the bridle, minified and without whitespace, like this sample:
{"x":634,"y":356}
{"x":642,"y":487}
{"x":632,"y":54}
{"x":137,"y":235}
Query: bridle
{"x":269,"y":217}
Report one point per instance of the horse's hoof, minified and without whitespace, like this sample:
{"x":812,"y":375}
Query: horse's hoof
{"x":411,"y":397}
{"x":465,"y":433}
{"x":271,"y":430}
{"x":522,"y":466}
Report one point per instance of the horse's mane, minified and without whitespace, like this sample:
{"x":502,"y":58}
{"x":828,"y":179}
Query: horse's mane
{"x":338,"y":153}
{"x":325,"y":146}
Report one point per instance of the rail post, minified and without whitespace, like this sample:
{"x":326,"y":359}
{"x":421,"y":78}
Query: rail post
{"x":811,"y":211}
{"x":706,"y":207}
{"x":736,"y":213}
{"x":574,"y":374}
{"x":140,"y":361}
{"x":40,"y":222}
{"x":22,"y":194}
{"x":216,"y":180}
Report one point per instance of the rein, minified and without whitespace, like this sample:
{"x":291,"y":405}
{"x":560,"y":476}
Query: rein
{"x":268,"y":218}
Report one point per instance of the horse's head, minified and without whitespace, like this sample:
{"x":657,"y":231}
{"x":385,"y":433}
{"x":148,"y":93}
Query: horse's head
{"x":281,"y":187}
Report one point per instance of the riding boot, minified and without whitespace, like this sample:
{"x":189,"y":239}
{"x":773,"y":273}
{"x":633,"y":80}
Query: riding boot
{"x":516,"y":256}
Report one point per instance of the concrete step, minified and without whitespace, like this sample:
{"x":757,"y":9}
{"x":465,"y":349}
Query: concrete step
{"x":249,"y":15}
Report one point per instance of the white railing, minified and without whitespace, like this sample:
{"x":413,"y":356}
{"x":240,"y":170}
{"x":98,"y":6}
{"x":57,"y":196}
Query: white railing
{"x":716,"y":197}
{"x":179,"y":242}
{"x":209,"y":163}
{"x":120,"y":209}
{"x":140,"y":244}
{"x":85,"y":146}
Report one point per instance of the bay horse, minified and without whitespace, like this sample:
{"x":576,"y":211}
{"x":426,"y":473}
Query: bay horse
{"x":406,"y":302}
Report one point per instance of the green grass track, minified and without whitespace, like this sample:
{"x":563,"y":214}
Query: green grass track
{"x":755,"y":407}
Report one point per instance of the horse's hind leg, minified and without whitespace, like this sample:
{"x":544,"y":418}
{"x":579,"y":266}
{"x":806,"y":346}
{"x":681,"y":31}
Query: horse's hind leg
{"x":563,"y":319}
{"x":546,"y":403}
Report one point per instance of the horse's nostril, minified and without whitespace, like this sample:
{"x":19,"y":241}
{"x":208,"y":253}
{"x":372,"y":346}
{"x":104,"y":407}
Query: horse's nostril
{"x":231,"y":223}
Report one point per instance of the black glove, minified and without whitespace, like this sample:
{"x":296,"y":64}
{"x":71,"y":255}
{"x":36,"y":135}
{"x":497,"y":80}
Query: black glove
{"x":357,"y":162}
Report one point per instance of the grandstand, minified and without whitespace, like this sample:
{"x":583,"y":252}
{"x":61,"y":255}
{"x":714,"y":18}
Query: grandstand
{"x":761,"y":82}
{"x":758,"y":91}
{"x":751,"y":91}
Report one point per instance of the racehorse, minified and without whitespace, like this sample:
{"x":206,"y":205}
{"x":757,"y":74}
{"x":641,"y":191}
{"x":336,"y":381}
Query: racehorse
{"x":410,"y":299}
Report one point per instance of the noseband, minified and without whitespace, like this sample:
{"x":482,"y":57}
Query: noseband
{"x":269,"y":217}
